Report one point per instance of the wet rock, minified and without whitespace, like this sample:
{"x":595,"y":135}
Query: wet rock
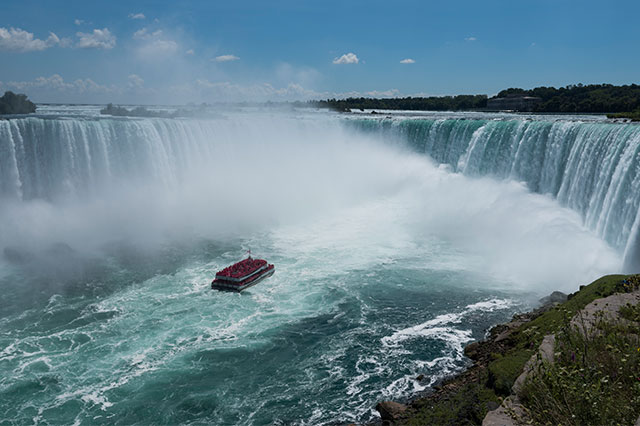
{"x":17,"y":256}
{"x":546,"y":353}
{"x":420,"y":377}
{"x":508,"y":331}
{"x":471,"y":350}
{"x":60,"y":249}
{"x":506,"y":414}
{"x":491,"y":405}
{"x":555,"y":297}
{"x":391,"y":411}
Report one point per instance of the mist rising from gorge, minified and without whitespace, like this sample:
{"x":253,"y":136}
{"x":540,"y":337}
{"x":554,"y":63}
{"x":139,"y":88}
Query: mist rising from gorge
{"x":147,"y":182}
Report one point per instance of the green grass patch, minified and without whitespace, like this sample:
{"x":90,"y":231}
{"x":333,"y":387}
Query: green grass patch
{"x":630,"y":312}
{"x":552,"y":320}
{"x":505,"y":370}
{"x":633,"y":116}
{"x":595,"y":378}
{"x":524,"y":341}
{"x":467,"y":406}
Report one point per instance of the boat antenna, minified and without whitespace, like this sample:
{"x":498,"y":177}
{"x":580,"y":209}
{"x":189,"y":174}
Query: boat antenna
{"x":249,"y":253}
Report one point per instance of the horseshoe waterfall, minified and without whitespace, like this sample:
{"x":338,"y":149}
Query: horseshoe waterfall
{"x":396,"y":240}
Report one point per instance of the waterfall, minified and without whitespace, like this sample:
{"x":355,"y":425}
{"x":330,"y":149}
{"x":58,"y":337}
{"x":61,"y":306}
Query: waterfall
{"x":43,"y":158}
{"x":590,"y":167}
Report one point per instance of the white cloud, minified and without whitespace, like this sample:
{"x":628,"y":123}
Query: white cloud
{"x":470,"y":39}
{"x":140,"y":34}
{"x":154,"y":44}
{"x":203,"y":90}
{"x":190,"y":52}
{"x":137,"y":16}
{"x":347,"y":58}
{"x":302,"y":75}
{"x":226,"y":58}
{"x":226,"y":91}
{"x":54,"y":88}
{"x":408,"y":61}
{"x":78,"y":22}
{"x":144,"y":34}
{"x":98,"y":39}
{"x":135,"y":81}
{"x":160,"y":47}
{"x":391,"y":93}
{"x":15,"y":39}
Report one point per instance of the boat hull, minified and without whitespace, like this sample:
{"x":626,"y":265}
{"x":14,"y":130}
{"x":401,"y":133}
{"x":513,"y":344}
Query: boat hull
{"x":237,"y":288}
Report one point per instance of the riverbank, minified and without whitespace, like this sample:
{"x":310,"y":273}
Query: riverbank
{"x":499,"y":360}
{"x":633,"y":116}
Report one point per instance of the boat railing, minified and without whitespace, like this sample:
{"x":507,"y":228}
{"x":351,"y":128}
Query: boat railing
{"x":244,"y":277}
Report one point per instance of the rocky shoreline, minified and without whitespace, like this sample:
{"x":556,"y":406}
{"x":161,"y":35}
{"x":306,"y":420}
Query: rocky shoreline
{"x":487,"y":392}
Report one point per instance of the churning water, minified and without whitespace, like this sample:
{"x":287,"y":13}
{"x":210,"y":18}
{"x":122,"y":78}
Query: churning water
{"x":396,"y":241}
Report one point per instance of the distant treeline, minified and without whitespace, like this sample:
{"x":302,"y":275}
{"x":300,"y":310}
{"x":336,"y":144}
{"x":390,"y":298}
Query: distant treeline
{"x":593,"y":98}
{"x":10,"y":103}
{"x":118,"y":111}
{"x":433,"y":103}
{"x":633,"y":115}
{"x":583,"y":98}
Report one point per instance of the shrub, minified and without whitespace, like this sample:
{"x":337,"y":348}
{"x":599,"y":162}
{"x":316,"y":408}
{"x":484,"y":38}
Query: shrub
{"x":595,"y":378}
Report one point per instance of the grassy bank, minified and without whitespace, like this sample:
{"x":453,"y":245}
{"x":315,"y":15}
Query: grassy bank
{"x":595,"y":378}
{"x":633,"y":116}
{"x":465,"y":399}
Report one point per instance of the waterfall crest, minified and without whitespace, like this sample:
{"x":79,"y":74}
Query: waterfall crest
{"x":590,"y":167}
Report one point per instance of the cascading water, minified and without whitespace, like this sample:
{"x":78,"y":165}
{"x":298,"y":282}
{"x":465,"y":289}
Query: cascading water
{"x":111,"y":230}
{"x":54,"y":158}
{"x":590,"y":167}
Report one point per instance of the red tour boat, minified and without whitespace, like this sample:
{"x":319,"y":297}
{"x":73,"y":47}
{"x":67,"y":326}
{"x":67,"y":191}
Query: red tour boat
{"x":242,"y":275}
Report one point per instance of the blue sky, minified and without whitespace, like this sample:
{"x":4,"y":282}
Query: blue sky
{"x":182,"y":51}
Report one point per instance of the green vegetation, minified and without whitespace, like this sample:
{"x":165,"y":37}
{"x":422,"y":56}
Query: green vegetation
{"x":630,"y":313}
{"x":191,"y":111}
{"x":579,"y":98}
{"x":492,"y":377}
{"x":11,"y":103}
{"x":467,"y":406}
{"x":118,"y":111}
{"x":434,"y":103}
{"x":528,"y":337}
{"x":633,"y":116}
{"x":504,"y":371}
{"x":592,"y":98}
{"x":595,"y":378}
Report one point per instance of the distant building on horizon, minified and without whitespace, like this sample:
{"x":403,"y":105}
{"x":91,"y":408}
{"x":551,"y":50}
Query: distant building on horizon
{"x":513,"y":102}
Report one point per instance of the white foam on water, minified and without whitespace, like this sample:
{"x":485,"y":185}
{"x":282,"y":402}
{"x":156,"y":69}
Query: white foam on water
{"x":434,"y":327}
{"x":490,"y":305}
{"x":442,"y":328}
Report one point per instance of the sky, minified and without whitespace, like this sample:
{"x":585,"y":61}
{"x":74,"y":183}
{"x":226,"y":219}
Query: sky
{"x":175,"y":52}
